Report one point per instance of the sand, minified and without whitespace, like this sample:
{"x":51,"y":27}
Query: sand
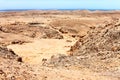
{"x":54,"y":45}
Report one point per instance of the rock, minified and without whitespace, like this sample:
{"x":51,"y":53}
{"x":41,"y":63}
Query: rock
{"x":9,"y":54}
{"x":52,"y":34}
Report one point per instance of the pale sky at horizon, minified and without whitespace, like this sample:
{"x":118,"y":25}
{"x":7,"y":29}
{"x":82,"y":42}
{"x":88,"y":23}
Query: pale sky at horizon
{"x":59,"y":4}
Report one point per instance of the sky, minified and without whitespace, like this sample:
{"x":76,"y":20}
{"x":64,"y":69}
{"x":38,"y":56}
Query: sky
{"x":59,"y":4}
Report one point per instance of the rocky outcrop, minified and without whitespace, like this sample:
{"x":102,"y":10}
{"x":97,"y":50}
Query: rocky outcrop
{"x":52,"y":34}
{"x":9,"y":54}
{"x":99,"y":51}
{"x":100,"y":39}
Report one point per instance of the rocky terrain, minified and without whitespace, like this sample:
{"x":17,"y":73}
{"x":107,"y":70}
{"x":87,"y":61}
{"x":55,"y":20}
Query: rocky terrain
{"x":60,"y":45}
{"x":99,"y":51}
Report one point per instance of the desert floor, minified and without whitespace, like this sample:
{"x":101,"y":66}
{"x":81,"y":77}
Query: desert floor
{"x":60,"y":45}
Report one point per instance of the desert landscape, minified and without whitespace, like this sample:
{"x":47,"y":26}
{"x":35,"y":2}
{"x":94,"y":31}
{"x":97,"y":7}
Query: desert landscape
{"x":60,"y":45}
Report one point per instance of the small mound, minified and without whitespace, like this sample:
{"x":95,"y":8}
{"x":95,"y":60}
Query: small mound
{"x":51,"y":34}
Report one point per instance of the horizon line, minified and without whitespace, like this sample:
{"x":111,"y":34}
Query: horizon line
{"x":57,"y":9}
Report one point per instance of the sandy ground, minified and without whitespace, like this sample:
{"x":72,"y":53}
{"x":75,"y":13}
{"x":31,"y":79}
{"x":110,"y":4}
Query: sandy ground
{"x":38,"y":35}
{"x":41,"y":49}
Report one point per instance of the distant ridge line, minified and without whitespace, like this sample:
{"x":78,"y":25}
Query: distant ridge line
{"x":7,"y":10}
